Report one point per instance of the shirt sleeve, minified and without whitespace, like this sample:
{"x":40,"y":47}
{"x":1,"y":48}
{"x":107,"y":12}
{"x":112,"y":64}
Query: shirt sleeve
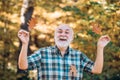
{"x":87,"y":63}
{"x":34,"y":60}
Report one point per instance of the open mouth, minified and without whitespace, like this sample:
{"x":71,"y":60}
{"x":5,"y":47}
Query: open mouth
{"x":63,"y":39}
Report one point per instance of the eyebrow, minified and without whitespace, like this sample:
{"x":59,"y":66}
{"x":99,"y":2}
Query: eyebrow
{"x":66,"y":29}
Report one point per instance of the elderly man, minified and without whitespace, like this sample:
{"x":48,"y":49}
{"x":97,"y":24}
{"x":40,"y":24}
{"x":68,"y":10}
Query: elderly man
{"x":60,"y":62}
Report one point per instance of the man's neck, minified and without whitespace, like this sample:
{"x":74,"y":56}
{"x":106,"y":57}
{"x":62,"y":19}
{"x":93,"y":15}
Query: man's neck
{"x":62,"y":50}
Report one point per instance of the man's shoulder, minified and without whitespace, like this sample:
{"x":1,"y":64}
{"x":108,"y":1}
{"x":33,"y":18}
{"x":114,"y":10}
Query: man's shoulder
{"x":75,"y":51}
{"x":78,"y":53}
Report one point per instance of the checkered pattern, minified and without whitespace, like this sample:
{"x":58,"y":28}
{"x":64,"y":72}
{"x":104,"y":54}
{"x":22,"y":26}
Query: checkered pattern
{"x":52,"y":66}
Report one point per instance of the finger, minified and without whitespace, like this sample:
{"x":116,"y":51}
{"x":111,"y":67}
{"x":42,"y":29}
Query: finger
{"x":105,"y":38}
{"x":108,"y":37}
{"x":102,"y":37}
{"x":23,"y":32}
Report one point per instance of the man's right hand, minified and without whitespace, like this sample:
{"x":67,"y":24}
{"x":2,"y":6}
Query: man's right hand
{"x":23,"y":36}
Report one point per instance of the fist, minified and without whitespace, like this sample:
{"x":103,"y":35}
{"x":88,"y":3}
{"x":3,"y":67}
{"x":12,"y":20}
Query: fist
{"x":103,"y":41}
{"x":23,"y":36}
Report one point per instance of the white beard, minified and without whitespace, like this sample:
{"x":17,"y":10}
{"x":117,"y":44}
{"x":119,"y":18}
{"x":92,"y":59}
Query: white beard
{"x":62,"y":44}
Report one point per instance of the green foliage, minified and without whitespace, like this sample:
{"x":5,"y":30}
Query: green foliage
{"x":76,"y":10}
{"x":79,"y":14}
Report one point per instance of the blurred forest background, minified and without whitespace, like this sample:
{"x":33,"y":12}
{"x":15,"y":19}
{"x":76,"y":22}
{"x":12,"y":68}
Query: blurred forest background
{"x":79,"y":14}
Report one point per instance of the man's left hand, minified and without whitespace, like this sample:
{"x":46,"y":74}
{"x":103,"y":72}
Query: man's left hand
{"x":103,"y":41}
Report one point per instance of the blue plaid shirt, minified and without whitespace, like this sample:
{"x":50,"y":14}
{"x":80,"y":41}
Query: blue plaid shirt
{"x":51,"y":65}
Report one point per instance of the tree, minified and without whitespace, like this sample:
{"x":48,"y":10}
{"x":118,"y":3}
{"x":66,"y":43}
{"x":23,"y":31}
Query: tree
{"x":26,"y":15}
{"x":79,"y":14}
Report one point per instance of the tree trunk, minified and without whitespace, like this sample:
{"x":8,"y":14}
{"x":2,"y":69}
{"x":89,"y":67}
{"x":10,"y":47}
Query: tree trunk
{"x":26,"y":14}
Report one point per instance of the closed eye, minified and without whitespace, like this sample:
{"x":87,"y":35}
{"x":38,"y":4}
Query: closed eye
{"x":67,"y":32}
{"x":59,"y":31}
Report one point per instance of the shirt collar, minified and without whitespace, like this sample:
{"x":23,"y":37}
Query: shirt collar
{"x":67,"y":52}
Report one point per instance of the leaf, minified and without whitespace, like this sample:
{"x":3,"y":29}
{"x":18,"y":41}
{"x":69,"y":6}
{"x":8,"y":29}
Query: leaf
{"x":32,"y":23}
{"x":96,"y":28}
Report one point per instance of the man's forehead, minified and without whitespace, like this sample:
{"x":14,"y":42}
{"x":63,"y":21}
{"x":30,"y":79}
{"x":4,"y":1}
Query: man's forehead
{"x":64,"y":27}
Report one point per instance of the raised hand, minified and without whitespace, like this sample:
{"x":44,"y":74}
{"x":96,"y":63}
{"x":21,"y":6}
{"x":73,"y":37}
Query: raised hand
{"x":103,"y":41}
{"x":23,"y":36}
